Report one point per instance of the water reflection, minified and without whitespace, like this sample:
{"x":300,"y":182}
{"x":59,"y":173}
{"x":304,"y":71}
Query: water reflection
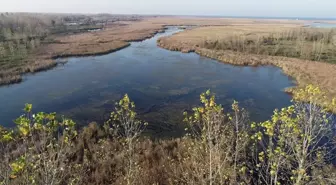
{"x":162,"y":83}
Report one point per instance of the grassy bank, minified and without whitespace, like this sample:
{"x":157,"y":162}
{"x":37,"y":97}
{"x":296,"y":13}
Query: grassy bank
{"x":13,"y":74}
{"x":206,"y":42}
{"x":304,"y":43}
{"x":111,"y":38}
{"x":218,"y":147}
{"x":97,"y":49}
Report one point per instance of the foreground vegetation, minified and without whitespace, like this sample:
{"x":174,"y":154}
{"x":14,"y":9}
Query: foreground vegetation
{"x":296,"y":146}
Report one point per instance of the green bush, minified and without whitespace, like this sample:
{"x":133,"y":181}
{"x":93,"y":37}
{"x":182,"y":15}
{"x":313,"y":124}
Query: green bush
{"x":295,"y":146}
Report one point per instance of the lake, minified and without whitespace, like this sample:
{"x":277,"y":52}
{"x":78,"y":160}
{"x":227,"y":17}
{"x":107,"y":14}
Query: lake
{"x":162,"y":84}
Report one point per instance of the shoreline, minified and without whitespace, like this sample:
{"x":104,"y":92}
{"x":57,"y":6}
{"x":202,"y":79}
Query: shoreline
{"x":100,"y":53}
{"x":289,"y":66}
{"x":8,"y":78}
{"x":91,"y":54}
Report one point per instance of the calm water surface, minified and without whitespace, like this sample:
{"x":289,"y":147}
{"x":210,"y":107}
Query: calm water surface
{"x":162,"y":83}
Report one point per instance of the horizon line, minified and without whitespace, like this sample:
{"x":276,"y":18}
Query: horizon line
{"x":190,"y":15}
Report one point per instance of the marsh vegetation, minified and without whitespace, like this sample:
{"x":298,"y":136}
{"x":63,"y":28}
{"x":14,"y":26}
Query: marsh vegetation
{"x":304,"y":43}
{"x":22,"y":35}
{"x":29,"y":41}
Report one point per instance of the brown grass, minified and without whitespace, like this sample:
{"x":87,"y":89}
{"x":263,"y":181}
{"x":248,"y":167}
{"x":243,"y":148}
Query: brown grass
{"x":85,"y":49}
{"x":305,"y":43}
{"x":39,"y":65}
{"x":304,"y":71}
{"x":112,"y":38}
{"x":11,"y":79}
{"x":13,"y":74}
{"x":203,"y":21}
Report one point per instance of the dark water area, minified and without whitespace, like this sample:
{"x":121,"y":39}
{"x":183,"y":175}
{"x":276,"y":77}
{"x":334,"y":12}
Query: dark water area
{"x":162,"y":84}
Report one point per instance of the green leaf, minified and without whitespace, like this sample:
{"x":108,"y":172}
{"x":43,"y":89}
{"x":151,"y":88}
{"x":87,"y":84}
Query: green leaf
{"x":28,"y":107}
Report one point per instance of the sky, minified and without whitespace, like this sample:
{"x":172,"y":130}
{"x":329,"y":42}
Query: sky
{"x":257,"y":8}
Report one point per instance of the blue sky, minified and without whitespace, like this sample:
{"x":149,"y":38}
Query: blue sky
{"x":270,"y":8}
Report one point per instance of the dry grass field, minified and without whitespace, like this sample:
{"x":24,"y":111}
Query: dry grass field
{"x":201,"y":21}
{"x":113,"y":37}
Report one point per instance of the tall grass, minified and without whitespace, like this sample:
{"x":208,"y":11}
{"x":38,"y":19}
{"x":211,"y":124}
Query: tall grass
{"x":305,"y":43}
